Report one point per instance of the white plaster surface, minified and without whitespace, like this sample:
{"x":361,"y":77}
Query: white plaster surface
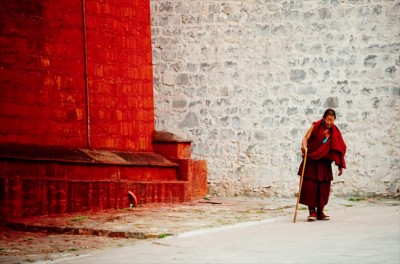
{"x":245,"y":79}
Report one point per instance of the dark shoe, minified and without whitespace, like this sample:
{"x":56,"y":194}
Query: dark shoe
{"x":322,"y":216}
{"x":312,"y":217}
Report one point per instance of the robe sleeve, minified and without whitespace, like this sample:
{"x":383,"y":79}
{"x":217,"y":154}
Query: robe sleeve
{"x":338,"y":148}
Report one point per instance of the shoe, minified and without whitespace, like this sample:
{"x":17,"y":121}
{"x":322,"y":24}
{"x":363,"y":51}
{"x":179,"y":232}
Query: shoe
{"x":322,"y":216}
{"x":312,"y":217}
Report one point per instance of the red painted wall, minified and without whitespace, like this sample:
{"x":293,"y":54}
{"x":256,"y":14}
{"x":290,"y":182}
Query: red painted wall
{"x":120,"y":74}
{"x":78,"y":74}
{"x":42,"y":74}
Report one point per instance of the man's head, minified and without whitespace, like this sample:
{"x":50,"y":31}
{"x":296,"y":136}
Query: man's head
{"x":329,"y":118}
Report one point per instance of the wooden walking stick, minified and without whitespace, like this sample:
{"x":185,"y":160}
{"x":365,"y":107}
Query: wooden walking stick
{"x":301,"y":183}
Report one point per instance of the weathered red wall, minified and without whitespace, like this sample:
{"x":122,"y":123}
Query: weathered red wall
{"x":120,"y":74}
{"x":78,"y":74}
{"x":42,"y":74}
{"x":65,"y":187}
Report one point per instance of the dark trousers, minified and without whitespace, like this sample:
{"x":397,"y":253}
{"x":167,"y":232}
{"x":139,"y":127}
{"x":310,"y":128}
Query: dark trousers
{"x":315,"y":193}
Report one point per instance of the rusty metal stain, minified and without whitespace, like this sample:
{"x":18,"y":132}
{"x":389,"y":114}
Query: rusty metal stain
{"x":75,"y":155}
{"x":51,"y":153}
{"x":168,"y":137}
{"x":104,"y":156}
{"x":145,"y":158}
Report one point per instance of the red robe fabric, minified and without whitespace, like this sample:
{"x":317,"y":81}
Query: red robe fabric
{"x":318,"y":171}
{"x":334,"y":149}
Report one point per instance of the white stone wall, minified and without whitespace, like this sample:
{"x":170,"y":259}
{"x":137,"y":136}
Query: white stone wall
{"x":244,"y":79}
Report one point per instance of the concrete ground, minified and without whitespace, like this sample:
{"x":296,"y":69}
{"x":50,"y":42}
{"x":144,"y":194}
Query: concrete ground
{"x":213,"y":230}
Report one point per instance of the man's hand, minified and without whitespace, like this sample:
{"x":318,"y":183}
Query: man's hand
{"x":303,"y":149}
{"x":340,"y":171}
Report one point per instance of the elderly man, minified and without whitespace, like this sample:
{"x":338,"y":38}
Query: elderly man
{"x":324,"y":144}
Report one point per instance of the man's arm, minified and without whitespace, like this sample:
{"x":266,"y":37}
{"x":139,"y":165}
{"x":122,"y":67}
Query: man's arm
{"x":305,"y":139}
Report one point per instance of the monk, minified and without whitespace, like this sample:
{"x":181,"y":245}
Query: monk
{"x":325,"y":145}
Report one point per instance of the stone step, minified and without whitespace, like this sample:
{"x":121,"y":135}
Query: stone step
{"x":41,"y":180}
{"x":42,"y":197}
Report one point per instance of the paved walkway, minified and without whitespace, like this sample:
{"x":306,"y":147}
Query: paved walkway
{"x":356,"y":235}
{"x":216,"y":230}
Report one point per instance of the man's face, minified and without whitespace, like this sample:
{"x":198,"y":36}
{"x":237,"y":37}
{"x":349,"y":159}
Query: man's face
{"x":329,"y":121}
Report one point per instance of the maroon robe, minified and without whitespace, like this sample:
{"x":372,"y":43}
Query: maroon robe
{"x":318,"y":171}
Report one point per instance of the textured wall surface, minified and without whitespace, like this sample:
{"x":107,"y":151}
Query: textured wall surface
{"x":246,"y":79}
{"x":120,"y":74}
{"x":41,"y":73}
{"x":77,"y":111}
{"x":46,"y":51}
